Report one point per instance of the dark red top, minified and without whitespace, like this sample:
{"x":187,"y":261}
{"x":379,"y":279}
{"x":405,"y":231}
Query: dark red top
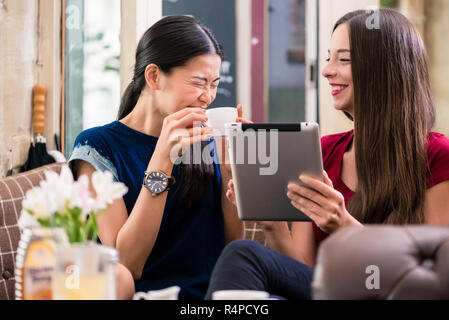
{"x":334,"y":146}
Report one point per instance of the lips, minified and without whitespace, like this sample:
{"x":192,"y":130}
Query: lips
{"x":337,"y":88}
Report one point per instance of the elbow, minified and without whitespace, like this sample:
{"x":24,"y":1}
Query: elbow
{"x":135,"y":269}
{"x":136,"y":272}
{"x":137,"y":275}
{"x":128,"y":261}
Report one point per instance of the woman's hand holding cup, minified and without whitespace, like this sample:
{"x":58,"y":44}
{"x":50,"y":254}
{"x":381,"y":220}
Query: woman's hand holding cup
{"x":224,"y":159}
{"x":179,"y":132}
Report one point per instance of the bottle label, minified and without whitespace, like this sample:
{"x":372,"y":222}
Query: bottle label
{"x":38,"y":271}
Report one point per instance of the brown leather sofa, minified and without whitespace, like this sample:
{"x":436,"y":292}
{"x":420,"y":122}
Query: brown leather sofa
{"x":12,"y":192}
{"x":384,"y":262}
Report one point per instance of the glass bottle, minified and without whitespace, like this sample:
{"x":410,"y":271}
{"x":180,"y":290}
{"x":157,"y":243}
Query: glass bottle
{"x":35,"y":262}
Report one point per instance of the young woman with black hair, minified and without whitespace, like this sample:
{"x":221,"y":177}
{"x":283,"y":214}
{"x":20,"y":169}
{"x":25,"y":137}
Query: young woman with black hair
{"x":170,"y":229}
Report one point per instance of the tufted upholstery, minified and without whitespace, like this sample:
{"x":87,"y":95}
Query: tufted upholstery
{"x":12,"y":192}
{"x":412,"y":261}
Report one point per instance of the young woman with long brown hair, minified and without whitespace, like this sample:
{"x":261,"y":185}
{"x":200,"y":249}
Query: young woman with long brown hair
{"x":390,"y":169}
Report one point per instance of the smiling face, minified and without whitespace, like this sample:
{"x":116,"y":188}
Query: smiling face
{"x":192,"y":85}
{"x":338,"y":70}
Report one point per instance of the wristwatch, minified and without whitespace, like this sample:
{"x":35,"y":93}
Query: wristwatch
{"x":157,"y":182}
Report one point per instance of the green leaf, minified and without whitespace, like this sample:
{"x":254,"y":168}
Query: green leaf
{"x":44,"y":222}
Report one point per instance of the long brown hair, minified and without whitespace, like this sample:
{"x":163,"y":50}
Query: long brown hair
{"x":394,"y":113}
{"x":171,"y":43}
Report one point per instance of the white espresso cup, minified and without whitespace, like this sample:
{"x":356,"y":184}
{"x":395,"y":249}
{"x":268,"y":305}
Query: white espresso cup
{"x":240,"y":295}
{"x":218,"y":117}
{"x":163,"y":294}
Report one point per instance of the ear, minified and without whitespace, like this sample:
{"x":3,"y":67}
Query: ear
{"x":153,"y":76}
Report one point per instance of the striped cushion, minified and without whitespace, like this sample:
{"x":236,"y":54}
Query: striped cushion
{"x":12,"y":192}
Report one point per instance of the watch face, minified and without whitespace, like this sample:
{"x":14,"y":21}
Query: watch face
{"x":157,"y":182}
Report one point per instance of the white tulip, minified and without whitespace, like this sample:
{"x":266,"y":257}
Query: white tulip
{"x":59,"y":187}
{"x":38,"y":201}
{"x":81,"y":196}
{"x":27,"y":221}
{"x":107,"y":190}
{"x":60,"y":192}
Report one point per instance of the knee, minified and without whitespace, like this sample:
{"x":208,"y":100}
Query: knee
{"x":124,"y":283}
{"x":242,"y":247}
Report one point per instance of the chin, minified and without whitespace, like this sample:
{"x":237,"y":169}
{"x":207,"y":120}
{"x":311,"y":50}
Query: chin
{"x":340,"y":108}
{"x":343,"y":107}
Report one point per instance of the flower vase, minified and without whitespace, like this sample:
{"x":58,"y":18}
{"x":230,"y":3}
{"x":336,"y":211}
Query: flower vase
{"x":84,"y":271}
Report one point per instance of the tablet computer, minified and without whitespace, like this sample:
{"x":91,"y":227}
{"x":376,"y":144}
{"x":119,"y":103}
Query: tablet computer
{"x":264,"y":159}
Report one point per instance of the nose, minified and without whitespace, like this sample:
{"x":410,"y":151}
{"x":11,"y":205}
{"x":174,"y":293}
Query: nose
{"x":329,"y":71}
{"x":207,"y":97}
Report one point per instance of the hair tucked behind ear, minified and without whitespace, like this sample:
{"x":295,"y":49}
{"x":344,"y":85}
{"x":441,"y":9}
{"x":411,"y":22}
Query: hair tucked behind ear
{"x":171,"y":43}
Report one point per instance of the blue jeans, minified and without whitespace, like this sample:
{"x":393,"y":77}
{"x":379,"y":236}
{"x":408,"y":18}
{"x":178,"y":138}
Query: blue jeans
{"x":248,"y":265}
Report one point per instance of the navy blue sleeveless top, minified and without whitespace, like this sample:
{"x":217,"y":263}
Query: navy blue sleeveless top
{"x":188,"y":244}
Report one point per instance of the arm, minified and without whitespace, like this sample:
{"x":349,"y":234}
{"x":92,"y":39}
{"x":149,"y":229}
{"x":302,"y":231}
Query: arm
{"x":110,"y":221}
{"x":132,"y":236}
{"x":298,"y":243}
{"x":234,"y":228}
{"x":436,"y":204}
{"x":305,"y":245}
{"x":135,"y":235}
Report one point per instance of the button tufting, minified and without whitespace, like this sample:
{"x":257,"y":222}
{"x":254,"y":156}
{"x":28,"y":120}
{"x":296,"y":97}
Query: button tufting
{"x":7,"y":274}
{"x":428,"y":264}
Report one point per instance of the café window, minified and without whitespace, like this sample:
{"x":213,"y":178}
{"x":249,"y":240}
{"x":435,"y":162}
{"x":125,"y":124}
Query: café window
{"x":287,"y":66}
{"x":285,"y":60}
{"x":92,"y":66}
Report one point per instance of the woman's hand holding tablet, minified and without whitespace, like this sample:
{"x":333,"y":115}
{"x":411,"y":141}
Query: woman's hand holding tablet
{"x":321,"y":203}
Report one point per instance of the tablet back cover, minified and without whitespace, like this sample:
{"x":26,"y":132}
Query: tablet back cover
{"x":265,"y":158}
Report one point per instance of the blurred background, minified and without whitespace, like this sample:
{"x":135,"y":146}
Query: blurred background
{"x":83,"y":52}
